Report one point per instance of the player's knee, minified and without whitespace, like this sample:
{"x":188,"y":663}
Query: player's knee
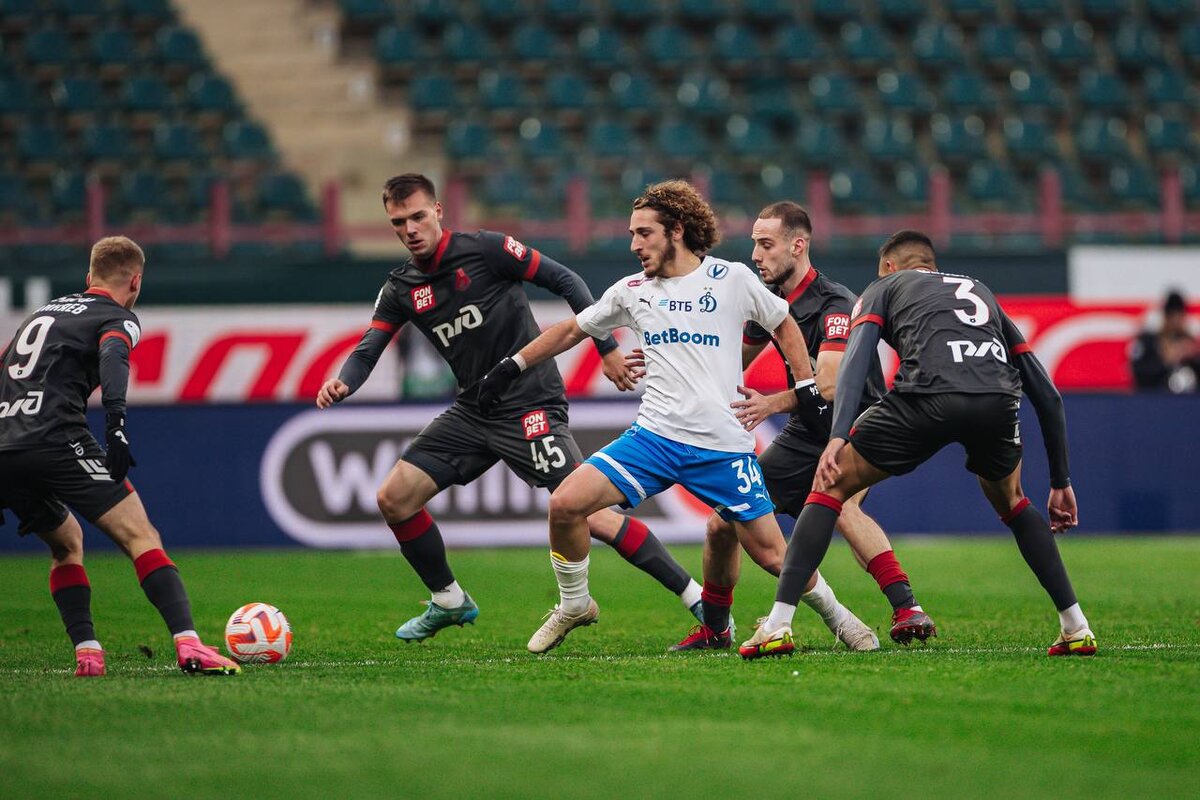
{"x":395,"y":506}
{"x":720,"y":534}
{"x":66,"y":543}
{"x":565,"y":506}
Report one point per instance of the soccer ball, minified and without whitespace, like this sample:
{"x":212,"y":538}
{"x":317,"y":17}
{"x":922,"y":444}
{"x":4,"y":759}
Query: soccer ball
{"x":258,"y":633}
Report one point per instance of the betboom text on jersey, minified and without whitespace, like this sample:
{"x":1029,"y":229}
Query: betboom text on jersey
{"x":676,"y":336}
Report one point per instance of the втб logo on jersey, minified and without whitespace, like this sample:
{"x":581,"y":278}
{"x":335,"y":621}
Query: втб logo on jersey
{"x":30,"y":405}
{"x":963,"y":348}
{"x":422,"y":298}
{"x":469,"y":317}
{"x":675,"y":305}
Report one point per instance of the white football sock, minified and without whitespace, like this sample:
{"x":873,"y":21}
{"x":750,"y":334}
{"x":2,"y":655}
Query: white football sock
{"x":186,"y":635}
{"x":781,"y":614}
{"x":822,"y":600}
{"x":451,"y":597}
{"x":690,"y":595}
{"x":572,"y":577}
{"x":90,"y":644}
{"x":1072,"y":619}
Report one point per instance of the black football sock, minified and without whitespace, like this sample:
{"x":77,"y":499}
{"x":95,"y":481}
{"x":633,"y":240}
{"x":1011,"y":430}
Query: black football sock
{"x":161,"y":582}
{"x":806,"y":550}
{"x":421,"y":543}
{"x":1040,"y":551}
{"x":640,"y":547}
{"x":892,"y":580}
{"x":72,"y":594}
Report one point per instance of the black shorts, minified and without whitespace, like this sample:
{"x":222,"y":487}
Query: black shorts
{"x":788,"y":467}
{"x":460,"y":444}
{"x":39,"y":485}
{"x":903,"y":431}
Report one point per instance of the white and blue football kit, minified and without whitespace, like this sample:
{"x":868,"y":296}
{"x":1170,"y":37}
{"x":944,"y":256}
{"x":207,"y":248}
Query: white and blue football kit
{"x":690,"y":329}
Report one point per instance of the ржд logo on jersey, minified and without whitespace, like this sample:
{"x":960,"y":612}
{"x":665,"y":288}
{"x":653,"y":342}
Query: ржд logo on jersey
{"x":535,"y":424}
{"x":837,"y":326}
{"x":469,"y":317}
{"x":30,"y":405}
{"x":963,"y":348}
{"x":422,"y":298}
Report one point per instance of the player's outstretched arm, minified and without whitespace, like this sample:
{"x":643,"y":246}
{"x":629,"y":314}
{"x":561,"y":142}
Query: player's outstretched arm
{"x":332,"y":391}
{"x":552,"y":341}
{"x":358,"y":366}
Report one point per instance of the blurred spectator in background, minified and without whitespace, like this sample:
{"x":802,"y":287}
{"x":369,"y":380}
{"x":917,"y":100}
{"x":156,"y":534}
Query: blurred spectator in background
{"x":1167,"y":359}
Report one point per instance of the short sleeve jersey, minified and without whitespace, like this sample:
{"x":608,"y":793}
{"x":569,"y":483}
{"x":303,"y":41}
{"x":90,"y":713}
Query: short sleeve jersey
{"x":469,"y":303}
{"x":52,"y":366}
{"x":821,"y":307}
{"x":690,"y":328}
{"x":949,"y":331}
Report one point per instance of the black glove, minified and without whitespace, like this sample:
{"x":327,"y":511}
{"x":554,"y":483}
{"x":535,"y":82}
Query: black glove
{"x":118,"y":460}
{"x":493,"y":385}
{"x":815,"y":411}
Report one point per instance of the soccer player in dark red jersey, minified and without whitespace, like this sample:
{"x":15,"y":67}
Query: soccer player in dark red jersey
{"x":963,"y":368}
{"x":821,"y":307}
{"x":49,"y":460}
{"x":464,"y":293}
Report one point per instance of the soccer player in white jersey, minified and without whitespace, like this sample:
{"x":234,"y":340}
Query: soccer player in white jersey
{"x":688,"y":310}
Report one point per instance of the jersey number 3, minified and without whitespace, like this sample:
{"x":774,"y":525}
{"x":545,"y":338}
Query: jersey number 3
{"x":30,"y":343}
{"x":981,"y":314}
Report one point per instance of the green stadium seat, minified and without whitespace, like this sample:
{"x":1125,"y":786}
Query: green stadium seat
{"x":501,"y":14}
{"x":80,"y":13}
{"x":78,"y":95}
{"x":1068,"y":45}
{"x":750,"y":138}
{"x":1037,"y":11}
{"x":903,"y":91}
{"x":1138,"y":45}
{"x":567,"y":90}
{"x":40,"y":143}
{"x":210,"y":93}
{"x":106,"y":142}
{"x":609,"y":138}
{"x":1029,"y":141}
{"x":466,"y":44}
{"x":902,"y":14}
{"x":911,"y":182}
{"x":958,"y":139}
{"x":468,"y":140}
{"x":888,"y":140}
{"x":178,"y":141}
{"x":19,"y":15}
{"x":1170,"y":11}
{"x":68,"y":194}
{"x":146,"y":94}
{"x":48,"y":49}
{"x":601,"y":48}
{"x":1189,"y":44}
{"x":1167,"y":87}
{"x":1101,"y":140}
{"x":1189,"y":176}
{"x":501,"y":91}
{"x":1079,"y":193}
{"x":633,"y":13}
{"x":938,"y":45}
{"x":18,"y":96}
{"x":735,"y":47}
{"x":834,"y":93}
{"x":567,"y":14}
{"x":1103,"y":12}
{"x":435,"y":14}
{"x":507,"y":188}
{"x":703,"y":14}
{"x":727,"y":190}
{"x":1134,"y":185}
{"x":245,"y":140}
{"x":140,"y":193}
{"x":772,"y":100}
{"x":15,"y":203}
{"x":778,"y":182}
{"x":680,"y":139}
{"x":542,"y":140}
{"x":534,"y":45}
{"x":971,"y":12}
{"x":865,"y":46}
{"x":820,"y":142}
{"x":1002,"y":47}
{"x":965,"y":90}
{"x":363,"y":16}
{"x":114,"y":50}
{"x":179,"y":49}
{"x":855,"y":191}
{"x":432,"y":91}
{"x":283,"y":193}
{"x":198,"y":190}
{"x":1103,"y":91}
{"x":145,"y":15}
{"x":400,"y":51}
{"x":669,"y":47}
{"x":992,"y":185}
{"x":633,"y":92}
{"x":705,"y":95}
{"x":799,"y":47}
{"x":836,"y":13}
{"x":1168,"y":136}
{"x":1034,"y":91}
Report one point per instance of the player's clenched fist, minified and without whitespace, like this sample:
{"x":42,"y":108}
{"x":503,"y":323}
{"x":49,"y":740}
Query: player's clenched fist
{"x":332,"y":391}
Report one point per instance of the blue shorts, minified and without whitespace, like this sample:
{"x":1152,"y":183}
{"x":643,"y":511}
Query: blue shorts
{"x":641,"y":464}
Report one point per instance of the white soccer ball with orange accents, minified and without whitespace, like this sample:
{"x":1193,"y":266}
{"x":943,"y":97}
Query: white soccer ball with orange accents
{"x":258,"y":633}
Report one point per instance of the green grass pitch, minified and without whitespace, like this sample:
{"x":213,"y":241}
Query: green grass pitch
{"x":354,"y":712}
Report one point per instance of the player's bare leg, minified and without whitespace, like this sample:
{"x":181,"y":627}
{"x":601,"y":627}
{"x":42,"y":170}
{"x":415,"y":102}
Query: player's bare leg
{"x":126,"y":524}
{"x":638,"y":545}
{"x":1036,"y":542}
{"x":810,"y":541}
{"x":72,"y":594}
{"x":401,"y":500}
{"x":874,"y":553}
{"x":584,"y":492}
